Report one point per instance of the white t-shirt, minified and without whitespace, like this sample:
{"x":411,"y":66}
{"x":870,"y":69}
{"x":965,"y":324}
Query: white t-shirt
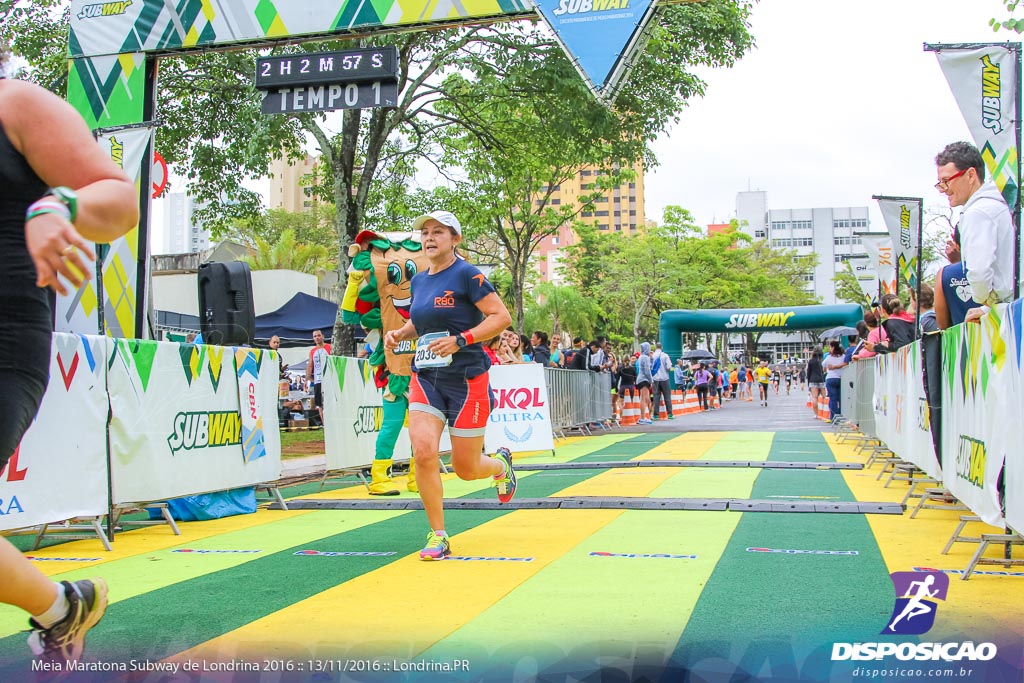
{"x":833,"y":366}
{"x":318,"y":359}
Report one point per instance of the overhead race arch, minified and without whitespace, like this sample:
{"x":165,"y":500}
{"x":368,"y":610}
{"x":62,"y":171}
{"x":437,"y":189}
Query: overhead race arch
{"x":672,"y":324}
{"x":114,"y":46}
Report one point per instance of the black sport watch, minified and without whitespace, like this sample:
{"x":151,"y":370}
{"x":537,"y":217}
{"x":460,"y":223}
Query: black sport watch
{"x":460,"y":341}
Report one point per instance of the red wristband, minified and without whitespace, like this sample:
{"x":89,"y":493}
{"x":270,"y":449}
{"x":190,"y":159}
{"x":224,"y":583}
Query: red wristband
{"x":468,"y":336}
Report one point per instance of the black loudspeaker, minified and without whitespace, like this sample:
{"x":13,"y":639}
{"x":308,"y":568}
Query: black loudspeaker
{"x":226,"y":313}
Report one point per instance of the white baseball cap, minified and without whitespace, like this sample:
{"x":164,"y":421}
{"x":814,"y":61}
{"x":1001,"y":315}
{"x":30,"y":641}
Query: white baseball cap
{"x":443,"y":217}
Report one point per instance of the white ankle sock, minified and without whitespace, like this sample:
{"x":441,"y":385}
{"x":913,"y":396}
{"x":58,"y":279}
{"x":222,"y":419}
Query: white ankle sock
{"x":57,"y":611}
{"x":441,"y":532}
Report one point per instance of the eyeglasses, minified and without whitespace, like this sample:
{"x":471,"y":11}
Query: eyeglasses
{"x":943,"y":185}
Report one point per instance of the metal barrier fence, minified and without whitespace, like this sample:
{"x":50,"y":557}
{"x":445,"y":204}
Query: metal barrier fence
{"x":858,"y":385}
{"x":578,"y":397}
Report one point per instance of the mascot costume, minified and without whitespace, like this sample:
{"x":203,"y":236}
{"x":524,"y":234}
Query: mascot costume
{"x":378,"y":296}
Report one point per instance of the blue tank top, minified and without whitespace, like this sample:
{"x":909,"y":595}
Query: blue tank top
{"x":957,"y":290}
{"x":446,"y":302}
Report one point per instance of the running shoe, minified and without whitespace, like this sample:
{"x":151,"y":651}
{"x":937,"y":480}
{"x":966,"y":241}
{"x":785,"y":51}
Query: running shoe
{"x":437,"y":547}
{"x":65,"y":640}
{"x":506,"y":483}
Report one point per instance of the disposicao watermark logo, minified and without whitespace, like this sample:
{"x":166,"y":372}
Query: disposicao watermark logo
{"x":916,"y":595}
{"x":913,"y":614}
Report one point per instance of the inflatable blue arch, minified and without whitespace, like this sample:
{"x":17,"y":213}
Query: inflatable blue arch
{"x":673,"y":324}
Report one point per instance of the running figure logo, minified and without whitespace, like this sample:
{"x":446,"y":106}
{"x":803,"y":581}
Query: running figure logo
{"x":915,"y":608}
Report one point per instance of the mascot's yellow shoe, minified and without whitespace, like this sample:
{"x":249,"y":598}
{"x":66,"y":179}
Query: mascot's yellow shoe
{"x":380,"y":482}
{"x":411,"y":483}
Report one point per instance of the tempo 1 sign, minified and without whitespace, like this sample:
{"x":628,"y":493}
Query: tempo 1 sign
{"x":329,"y":97}
{"x":322,"y":81}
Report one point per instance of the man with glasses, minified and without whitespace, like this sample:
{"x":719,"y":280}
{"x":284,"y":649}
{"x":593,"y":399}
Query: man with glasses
{"x":986,"y":227}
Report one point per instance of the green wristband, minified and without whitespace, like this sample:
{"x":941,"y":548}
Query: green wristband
{"x":67,"y":197}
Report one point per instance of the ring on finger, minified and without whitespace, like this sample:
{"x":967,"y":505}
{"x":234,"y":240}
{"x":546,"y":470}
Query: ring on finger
{"x":67,"y":251}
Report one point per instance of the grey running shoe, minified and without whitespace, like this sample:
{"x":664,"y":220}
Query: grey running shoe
{"x":65,"y":640}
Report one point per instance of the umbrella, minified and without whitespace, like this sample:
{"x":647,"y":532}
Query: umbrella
{"x":696,"y":354}
{"x":841,"y":331}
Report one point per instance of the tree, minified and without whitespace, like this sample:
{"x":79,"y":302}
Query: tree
{"x":37,"y":31}
{"x":313,"y":228}
{"x":847,"y":287}
{"x":373,"y":153}
{"x":555,"y":308}
{"x":286,"y":254}
{"x":1011,"y":23}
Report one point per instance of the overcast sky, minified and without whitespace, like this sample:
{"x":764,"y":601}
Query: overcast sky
{"x":837,"y":102}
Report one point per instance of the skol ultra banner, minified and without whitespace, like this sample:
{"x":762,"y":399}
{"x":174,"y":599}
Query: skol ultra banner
{"x":984,"y":81}
{"x":1013,"y":338}
{"x":902,"y":415}
{"x":79,"y":310}
{"x":902,"y":217}
{"x":521,"y":419}
{"x":978,"y":424}
{"x":60,"y":469}
{"x":176,"y":425}
{"x":353,"y":414}
{"x":880,"y":249}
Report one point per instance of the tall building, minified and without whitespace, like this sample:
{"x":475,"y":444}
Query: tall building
{"x":181,"y":233}
{"x":289,"y":184}
{"x":620,"y":209}
{"x":828,"y":232}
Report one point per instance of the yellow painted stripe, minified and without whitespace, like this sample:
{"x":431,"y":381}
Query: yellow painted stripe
{"x":374,"y":613}
{"x":566,"y":451}
{"x":985,"y":606}
{"x":385,"y":611}
{"x":152,"y":565}
{"x":615,"y":613}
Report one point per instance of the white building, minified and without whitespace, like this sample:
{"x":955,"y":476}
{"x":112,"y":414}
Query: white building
{"x":827,"y":232}
{"x":181,"y":234}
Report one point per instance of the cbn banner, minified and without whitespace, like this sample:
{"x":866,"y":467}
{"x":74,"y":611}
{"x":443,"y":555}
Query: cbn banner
{"x":256,"y":370}
{"x":977,"y":419}
{"x":78,"y":311}
{"x":879,"y":248}
{"x":902,"y":218}
{"x":176,"y":427}
{"x":863,"y":269}
{"x":353,"y":414}
{"x":1013,"y":334}
{"x":902,"y":415}
{"x":984,"y":81}
{"x":60,"y":469}
{"x":521,"y":418}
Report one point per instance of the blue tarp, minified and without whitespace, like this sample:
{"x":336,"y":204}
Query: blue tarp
{"x":295,"y":321}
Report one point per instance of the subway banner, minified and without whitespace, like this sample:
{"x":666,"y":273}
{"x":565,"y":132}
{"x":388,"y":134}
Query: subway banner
{"x":902,"y":415}
{"x":78,"y":311}
{"x":60,"y":469}
{"x":902,"y":218}
{"x":121,"y":26}
{"x":521,"y":417}
{"x":979,"y":427}
{"x":880,"y":250}
{"x":353,"y":415}
{"x":1013,"y":334}
{"x":176,"y":427}
{"x":984,"y":81}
